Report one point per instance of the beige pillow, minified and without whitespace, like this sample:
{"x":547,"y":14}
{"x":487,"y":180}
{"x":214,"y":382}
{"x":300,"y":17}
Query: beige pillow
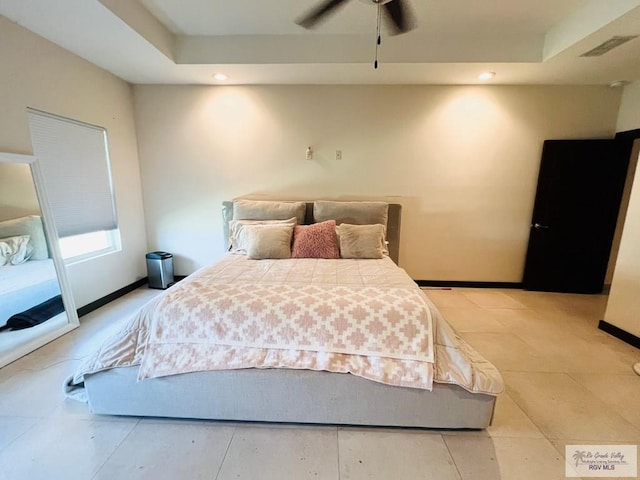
{"x":269,"y":241}
{"x":238,"y":235}
{"x":361,"y":241}
{"x":268,"y":210}
{"x":355,"y":213}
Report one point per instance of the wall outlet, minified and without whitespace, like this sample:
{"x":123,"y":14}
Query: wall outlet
{"x":338,"y":154}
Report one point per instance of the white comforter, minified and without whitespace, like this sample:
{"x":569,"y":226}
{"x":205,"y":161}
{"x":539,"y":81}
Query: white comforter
{"x":365,"y":317}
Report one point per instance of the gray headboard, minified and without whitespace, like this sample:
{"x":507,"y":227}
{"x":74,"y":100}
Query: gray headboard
{"x":393,"y":225}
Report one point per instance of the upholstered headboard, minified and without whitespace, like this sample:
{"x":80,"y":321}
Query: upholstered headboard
{"x":393,"y":225}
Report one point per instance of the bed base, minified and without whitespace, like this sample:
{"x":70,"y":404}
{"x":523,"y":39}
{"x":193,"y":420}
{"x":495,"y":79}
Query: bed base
{"x":289,"y":396}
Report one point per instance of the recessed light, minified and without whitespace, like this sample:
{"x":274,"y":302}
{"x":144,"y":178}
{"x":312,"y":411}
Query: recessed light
{"x":486,"y":75}
{"x":221,"y":77}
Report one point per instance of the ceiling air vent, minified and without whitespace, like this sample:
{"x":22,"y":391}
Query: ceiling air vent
{"x":610,"y":44}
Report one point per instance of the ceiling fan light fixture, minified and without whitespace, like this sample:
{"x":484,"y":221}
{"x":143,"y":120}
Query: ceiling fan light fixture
{"x":486,"y":76}
{"x":398,"y":13}
{"x":375,"y":2}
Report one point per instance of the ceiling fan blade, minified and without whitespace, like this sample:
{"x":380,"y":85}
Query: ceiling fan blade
{"x":400,"y":15}
{"x":317,"y":14}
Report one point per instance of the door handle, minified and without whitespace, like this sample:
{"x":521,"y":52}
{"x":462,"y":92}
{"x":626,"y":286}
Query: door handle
{"x":538,"y":226}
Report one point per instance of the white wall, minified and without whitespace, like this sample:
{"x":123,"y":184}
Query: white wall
{"x":623,"y":306}
{"x":17,"y":192}
{"x":629,"y":114}
{"x":39,"y":74}
{"x":462,"y":160}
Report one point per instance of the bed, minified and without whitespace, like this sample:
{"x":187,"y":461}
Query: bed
{"x":32,"y":279}
{"x":332,"y":340}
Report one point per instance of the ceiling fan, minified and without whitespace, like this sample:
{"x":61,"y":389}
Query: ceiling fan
{"x":397,"y":12}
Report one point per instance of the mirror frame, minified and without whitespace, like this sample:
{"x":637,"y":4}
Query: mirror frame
{"x":54,"y":249}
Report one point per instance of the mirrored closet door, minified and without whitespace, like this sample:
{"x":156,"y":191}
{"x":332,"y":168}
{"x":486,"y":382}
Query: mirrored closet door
{"x":36,"y":305}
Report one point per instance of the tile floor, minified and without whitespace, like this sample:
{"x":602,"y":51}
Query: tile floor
{"x":566,"y":383}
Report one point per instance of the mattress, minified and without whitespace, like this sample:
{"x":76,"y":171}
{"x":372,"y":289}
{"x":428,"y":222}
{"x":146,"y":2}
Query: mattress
{"x":170,"y":335}
{"x":26,"y":285}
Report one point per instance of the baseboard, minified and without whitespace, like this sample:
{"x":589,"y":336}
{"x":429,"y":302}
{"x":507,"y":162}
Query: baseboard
{"x":619,"y":333}
{"x":457,"y":283}
{"x":82,"y":311}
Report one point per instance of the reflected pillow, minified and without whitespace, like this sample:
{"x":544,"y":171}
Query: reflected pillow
{"x":361,"y":241}
{"x":238,"y":241}
{"x":269,"y":241}
{"x":30,"y":225}
{"x":15,"y":250}
{"x":315,"y":241}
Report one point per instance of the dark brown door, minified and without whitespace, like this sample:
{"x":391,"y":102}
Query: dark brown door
{"x":574,"y":217}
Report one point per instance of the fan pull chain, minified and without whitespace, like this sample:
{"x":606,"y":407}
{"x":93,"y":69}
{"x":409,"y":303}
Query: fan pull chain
{"x":378,"y":39}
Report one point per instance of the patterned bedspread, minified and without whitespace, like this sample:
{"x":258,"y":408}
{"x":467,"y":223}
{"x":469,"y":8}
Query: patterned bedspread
{"x":294,"y":310}
{"x":392,"y":322}
{"x":364,"y":317}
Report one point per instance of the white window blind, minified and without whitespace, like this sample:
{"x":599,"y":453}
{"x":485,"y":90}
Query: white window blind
{"x":74,"y":160}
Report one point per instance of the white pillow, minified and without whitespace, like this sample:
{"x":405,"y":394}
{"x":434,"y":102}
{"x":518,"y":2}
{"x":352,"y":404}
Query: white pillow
{"x":238,"y":241}
{"x":30,"y":225}
{"x":269,"y":241}
{"x":15,"y":250}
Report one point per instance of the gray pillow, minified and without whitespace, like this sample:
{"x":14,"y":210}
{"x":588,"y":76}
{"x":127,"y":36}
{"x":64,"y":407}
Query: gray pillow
{"x":30,"y":225}
{"x":355,"y":213}
{"x":361,"y":241}
{"x":268,"y":241}
{"x":268,"y":210}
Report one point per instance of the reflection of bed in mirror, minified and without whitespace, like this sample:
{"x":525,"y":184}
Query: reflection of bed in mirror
{"x":30,"y":287}
{"x":24,"y":287}
{"x":27,"y":273}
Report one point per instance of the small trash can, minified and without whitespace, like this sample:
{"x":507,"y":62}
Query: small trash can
{"x":160,"y":269}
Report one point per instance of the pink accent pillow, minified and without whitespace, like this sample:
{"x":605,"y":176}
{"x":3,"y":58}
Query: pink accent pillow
{"x":315,"y":241}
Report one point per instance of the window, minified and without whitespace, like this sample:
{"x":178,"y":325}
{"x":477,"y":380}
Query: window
{"x":74,"y":160}
{"x":89,"y":245}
